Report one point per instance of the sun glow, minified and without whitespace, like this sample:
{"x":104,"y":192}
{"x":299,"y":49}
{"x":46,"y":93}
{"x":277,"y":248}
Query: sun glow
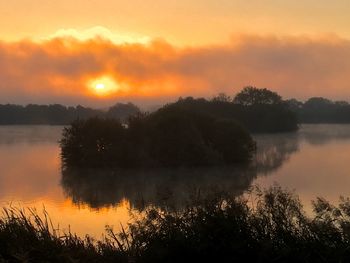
{"x":103,"y":86}
{"x":100,"y":86}
{"x":99,"y":32}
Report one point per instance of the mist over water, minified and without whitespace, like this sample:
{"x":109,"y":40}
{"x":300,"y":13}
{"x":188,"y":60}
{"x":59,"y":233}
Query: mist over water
{"x":313,"y":161}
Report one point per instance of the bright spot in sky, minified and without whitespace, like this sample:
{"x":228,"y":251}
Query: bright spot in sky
{"x":102,"y":32}
{"x":103,"y":86}
{"x":100,"y":86}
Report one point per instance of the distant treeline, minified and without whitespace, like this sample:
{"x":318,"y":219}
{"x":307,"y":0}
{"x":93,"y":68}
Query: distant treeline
{"x":57,"y":114}
{"x":320,"y":110}
{"x":268,"y":112}
{"x":259,"y":110}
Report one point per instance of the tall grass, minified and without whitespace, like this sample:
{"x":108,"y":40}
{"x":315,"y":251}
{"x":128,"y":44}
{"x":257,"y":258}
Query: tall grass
{"x":27,"y":237}
{"x":271,"y":226}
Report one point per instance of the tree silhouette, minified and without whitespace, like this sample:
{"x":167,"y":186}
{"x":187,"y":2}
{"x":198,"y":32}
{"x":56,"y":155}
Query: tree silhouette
{"x":254,"y":96}
{"x":57,"y":114}
{"x":169,"y":137}
{"x":122,"y":111}
{"x":222,"y":97}
{"x":320,"y":110}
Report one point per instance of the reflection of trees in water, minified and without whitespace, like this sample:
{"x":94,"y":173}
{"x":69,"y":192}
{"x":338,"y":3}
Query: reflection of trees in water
{"x":99,"y":188}
{"x":274,"y":150}
{"x":105,"y":188}
{"x":319,"y":134}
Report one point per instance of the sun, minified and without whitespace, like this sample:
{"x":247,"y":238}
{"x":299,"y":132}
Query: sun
{"x":100,"y":87}
{"x":103,"y":86}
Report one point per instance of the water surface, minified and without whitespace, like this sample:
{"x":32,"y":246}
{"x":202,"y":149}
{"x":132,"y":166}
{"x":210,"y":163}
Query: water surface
{"x":314,"y":162}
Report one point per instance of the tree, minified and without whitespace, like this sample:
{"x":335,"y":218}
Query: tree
{"x":222,"y":97}
{"x":318,"y":102}
{"x":341,"y":103}
{"x":294,"y":104}
{"x":122,"y":111}
{"x":254,"y":96}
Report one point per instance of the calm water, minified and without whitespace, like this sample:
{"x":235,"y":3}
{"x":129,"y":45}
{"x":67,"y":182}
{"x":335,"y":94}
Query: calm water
{"x":315,"y":162}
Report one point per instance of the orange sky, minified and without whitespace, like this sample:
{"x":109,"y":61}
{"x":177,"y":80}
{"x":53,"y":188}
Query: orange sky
{"x":150,"y":52}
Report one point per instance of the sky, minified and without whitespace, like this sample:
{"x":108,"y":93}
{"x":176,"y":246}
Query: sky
{"x":98,"y":52}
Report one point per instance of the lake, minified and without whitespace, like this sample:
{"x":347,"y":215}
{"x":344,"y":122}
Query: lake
{"x":315,"y":161}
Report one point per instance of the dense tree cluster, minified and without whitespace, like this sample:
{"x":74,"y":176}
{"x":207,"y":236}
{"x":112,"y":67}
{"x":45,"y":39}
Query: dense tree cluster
{"x":250,"y":96}
{"x":321,"y":110}
{"x":57,"y":114}
{"x":169,"y":137}
{"x":122,"y":111}
{"x":189,"y":132}
{"x":259,"y":110}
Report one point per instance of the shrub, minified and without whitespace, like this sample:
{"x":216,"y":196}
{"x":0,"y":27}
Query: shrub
{"x":170,"y":137}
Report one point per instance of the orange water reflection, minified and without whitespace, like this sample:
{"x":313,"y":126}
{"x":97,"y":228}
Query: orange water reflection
{"x":30,"y":177}
{"x":315,"y":162}
{"x":317,"y":170}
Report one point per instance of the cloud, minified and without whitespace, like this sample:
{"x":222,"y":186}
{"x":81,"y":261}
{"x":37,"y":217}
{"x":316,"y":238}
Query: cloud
{"x":98,"y":32}
{"x":60,"y":69}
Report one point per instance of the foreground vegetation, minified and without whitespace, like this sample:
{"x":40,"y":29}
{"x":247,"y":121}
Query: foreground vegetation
{"x":271,"y":227}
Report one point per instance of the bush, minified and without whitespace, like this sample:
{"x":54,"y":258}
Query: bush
{"x":94,"y":142}
{"x":170,"y":137}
